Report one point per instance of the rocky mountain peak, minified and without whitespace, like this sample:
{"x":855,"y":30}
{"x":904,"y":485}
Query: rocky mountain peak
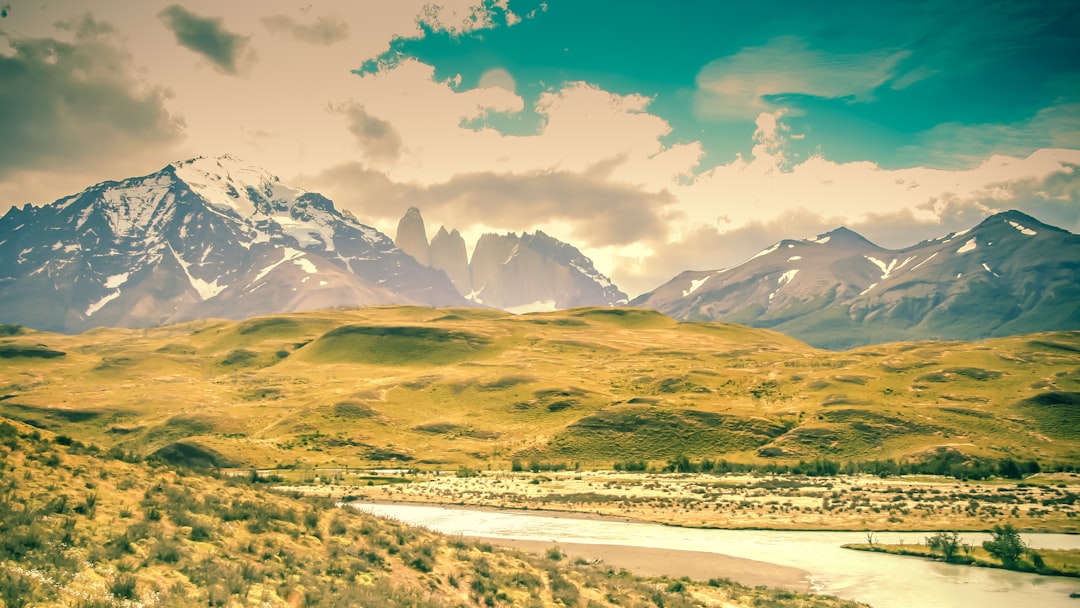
{"x":411,"y":236}
{"x":448,"y":254}
{"x":199,"y":238}
{"x":842,"y":237}
{"x":524,"y":273}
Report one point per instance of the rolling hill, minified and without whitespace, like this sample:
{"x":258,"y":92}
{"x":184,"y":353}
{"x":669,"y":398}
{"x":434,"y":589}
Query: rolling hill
{"x":438,"y":388}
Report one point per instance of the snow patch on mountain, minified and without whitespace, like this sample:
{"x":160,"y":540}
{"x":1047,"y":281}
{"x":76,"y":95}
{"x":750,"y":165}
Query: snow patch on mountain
{"x":96,"y":306}
{"x":695,"y":284}
{"x":932,"y":256}
{"x":130,"y":206}
{"x":224,"y":182}
{"x":306,"y":234}
{"x":968,"y":246}
{"x":1023,"y":230}
{"x":307,"y":265}
{"x":765,"y":251}
{"x":289,"y":255}
{"x":205,"y":289}
{"x":117,"y":280}
{"x":787,"y":276}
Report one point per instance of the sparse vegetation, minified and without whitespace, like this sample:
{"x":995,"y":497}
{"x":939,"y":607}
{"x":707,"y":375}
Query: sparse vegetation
{"x":192,"y":539}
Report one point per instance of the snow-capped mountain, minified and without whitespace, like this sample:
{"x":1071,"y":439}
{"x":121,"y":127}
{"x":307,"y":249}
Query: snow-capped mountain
{"x":207,"y":237}
{"x":527,"y":273}
{"x":1010,"y":274}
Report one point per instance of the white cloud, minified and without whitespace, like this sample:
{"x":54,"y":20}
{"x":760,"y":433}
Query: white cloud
{"x":584,"y":129}
{"x":739,"y":86}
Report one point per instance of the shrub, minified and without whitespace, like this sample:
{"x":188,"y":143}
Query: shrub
{"x":123,"y":587}
{"x":1005,"y":544}
{"x":946,"y":543}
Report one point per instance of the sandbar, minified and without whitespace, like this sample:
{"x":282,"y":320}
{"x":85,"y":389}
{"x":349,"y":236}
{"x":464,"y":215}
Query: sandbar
{"x":697,"y":565}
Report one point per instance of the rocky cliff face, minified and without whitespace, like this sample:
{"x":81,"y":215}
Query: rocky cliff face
{"x":449,"y":255}
{"x":208,"y":237}
{"x":531,"y":272}
{"x":1009,"y":274}
{"x":411,"y":236}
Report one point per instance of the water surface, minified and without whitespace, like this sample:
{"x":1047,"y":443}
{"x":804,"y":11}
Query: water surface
{"x":883,"y":581}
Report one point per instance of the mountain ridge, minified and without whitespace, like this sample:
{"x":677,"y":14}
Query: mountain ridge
{"x":198,"y":239}
{"x":532,"y":272}
{"x":1008,"y":274}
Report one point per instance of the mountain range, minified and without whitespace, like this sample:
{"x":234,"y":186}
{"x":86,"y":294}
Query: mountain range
{"x":1010,"y":274}
{"x":528,"y":273}
{"x":216,"y":237}
{"x":207,"y":237}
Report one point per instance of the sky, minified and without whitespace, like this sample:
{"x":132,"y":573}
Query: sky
{"x":655,"y":136}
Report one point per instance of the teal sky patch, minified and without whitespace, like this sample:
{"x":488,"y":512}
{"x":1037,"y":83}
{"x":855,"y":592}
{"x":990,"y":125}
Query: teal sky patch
{"x":935,"y":84}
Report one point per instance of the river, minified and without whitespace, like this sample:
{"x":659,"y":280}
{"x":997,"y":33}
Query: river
{"x":883,"y":581}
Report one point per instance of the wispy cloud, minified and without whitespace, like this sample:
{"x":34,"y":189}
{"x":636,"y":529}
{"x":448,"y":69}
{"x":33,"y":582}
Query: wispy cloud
{"x":959,"y":145}
{"x":324,"y":31}
{"x":748,"y":82}
{"x":228,"y":52}
{"x":378,"y":140}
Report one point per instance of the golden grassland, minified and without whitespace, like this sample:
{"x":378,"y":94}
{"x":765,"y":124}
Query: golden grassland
{"x":1042,"y":503}
{"x":442,"y":388}
{"x":81,"y":528}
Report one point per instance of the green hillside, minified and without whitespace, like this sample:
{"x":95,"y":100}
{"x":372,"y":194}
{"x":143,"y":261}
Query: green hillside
{"x":442,"y":388}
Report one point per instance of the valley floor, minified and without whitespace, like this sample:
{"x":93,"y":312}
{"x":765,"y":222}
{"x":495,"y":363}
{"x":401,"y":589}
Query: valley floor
{"x":1042,"y":503}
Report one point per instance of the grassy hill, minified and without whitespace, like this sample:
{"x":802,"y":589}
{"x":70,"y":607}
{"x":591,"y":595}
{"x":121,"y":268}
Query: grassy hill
{"x":425,"y":387}
{"x":79,"y":527}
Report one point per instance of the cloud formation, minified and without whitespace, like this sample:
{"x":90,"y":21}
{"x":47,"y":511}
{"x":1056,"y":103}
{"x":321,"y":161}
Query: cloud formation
{"x":77,"y":104}
{"x":589,"y":209}
{"x":379,"y":141}
{"x":229,"y":53}
{"x":751,"y":81}
{"x":324,"y":31}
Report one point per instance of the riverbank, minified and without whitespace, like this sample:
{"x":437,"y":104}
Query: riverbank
{"x":882,"y":581}
{"x":1054,"y":562}
{"x":851,"y":503}
{"x":697,"y":565}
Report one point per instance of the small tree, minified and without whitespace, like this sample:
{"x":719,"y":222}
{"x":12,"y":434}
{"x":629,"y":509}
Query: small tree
{"x":1005,"y":544}
{"x":945,"y":543}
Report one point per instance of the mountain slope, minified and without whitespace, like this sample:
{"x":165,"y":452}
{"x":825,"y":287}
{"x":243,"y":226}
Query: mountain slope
{"x":1010,"y":274}
{"x":208,"y":237}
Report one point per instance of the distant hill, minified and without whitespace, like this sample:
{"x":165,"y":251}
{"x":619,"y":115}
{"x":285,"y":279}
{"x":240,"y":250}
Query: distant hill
{"x":208,"y":237}
{"x":1010,"y":274}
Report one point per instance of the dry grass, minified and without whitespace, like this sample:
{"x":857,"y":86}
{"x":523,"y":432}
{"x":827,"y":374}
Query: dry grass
{"x":1044,"y":503}
{"x":431,"y":388}
{"x":78,"y":528}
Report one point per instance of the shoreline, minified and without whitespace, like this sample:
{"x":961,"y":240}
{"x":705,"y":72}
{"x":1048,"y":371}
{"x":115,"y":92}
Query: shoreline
{"x":591,"y":516}
{"x":671,"y":563}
